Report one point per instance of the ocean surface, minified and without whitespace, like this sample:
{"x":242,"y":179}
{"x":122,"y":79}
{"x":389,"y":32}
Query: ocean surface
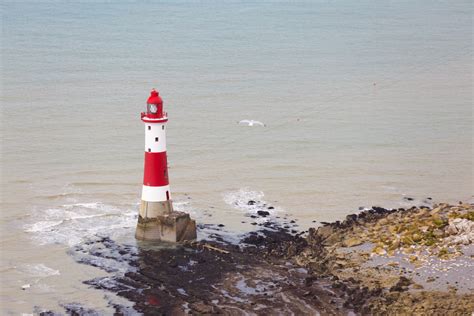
{"x":365,"y":103}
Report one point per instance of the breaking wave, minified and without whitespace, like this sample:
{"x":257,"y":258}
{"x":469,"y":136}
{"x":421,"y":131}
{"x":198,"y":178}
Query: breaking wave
{"x":71,"y":224}
{"x":249,"y":201}
{"x":38,"y":270}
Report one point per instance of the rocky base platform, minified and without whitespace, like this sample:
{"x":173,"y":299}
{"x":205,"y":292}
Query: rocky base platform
{"x":171,"y":227}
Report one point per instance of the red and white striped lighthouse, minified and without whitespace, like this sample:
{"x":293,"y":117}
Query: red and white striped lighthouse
{"x":155,"y":178}
{"x":157,"y":219}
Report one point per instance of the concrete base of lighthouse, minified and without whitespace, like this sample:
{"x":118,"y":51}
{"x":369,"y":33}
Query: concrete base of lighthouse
{"x":158,"y":221}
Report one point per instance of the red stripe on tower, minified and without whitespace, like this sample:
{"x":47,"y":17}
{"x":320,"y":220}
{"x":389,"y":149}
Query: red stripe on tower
{"x":156,"y":169}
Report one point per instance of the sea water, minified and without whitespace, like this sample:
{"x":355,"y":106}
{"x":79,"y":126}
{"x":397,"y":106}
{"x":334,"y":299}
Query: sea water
{"x":365,"y":103}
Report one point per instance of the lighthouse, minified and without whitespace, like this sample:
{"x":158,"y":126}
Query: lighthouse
{"x":157,"y":220}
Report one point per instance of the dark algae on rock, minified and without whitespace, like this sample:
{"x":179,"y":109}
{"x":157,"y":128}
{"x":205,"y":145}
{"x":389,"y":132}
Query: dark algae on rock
{"x":209,"y":277}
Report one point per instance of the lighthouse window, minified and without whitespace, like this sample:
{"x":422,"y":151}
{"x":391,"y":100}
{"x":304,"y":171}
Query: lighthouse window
{"x":162,"y":127}
{"x":149,"y":127}
{"x":149,"y":149}
{"x":156,"y":139}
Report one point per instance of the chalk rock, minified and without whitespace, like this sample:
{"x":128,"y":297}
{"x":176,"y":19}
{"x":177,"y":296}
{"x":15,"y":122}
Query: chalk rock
{"x":351,"y":242}
{"x":379,"y":251}
{"x":383,"y":221}
{"x":202,"y":308}
{"x":325,"y":231}
{"x":332,"y":239}
{"x":461,"y":231}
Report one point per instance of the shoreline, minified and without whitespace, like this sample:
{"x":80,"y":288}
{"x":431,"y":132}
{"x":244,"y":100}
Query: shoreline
{"x":402,"y":261}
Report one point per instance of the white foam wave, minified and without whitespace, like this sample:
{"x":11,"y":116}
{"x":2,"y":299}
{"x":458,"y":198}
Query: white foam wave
{"x":249,"y":201}
{"x":185,"y":206}
{"x":39,"y":270}
{"x":93,"y":206}
{"x":41,"y":226}
{"x":72,"y":224}
{"x":240,"y":199}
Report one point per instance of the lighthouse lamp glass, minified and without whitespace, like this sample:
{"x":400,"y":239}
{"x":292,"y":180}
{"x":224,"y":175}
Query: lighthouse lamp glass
{"x":153,"y":108}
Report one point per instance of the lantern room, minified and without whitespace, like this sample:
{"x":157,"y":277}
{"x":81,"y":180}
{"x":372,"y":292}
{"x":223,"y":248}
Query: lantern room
{"x":154,"y":108}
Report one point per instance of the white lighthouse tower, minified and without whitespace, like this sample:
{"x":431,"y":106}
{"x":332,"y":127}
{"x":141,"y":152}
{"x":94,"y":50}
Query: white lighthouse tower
{"x":157,"y":220}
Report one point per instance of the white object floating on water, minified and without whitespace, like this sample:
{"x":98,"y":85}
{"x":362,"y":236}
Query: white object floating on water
{"x":251,"y":123}
{"x":25,"y":286}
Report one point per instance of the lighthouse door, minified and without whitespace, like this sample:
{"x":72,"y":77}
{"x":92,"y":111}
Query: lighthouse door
{"x":167,"y":195}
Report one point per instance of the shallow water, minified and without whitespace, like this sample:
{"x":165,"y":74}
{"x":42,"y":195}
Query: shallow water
{"x":364,"y":104}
